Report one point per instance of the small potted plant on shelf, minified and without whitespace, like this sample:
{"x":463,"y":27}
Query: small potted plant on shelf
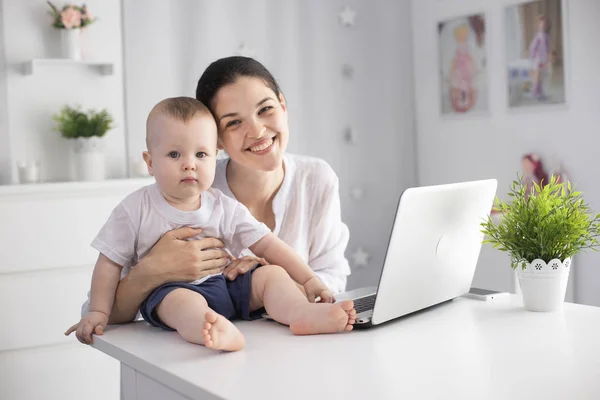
{"x":542,"y":228}
{"x":87,"y":131}
{"x":69,"y":20}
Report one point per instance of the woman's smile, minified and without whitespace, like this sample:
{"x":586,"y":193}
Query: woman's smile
{"x":263,"y":146}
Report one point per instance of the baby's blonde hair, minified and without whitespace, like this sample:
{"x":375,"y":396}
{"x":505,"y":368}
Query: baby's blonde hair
{"x":182,"y":108}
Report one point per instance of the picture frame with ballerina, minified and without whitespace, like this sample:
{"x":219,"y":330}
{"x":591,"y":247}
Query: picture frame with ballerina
{"x":463,"y":65}
{"x":535,"y":53}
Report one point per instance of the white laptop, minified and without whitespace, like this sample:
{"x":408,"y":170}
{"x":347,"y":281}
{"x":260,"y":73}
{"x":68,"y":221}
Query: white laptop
{"x":432,"y":252}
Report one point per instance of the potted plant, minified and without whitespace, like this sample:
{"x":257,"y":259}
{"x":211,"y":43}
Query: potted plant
{"x":69,"y":20}
{"x":86,"y":130}
{"x":542,"y":228}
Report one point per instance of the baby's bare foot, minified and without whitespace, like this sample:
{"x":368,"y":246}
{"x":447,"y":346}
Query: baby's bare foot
{"x":315,"y":318}
{"x":220,"y":334}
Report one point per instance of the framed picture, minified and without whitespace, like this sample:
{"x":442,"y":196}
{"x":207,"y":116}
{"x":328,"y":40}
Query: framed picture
{"x":463,"y":65}
{"x":535,"y":53}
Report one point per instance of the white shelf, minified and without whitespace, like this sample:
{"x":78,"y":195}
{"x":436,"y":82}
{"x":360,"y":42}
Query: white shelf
{"x":73,"y":187}
{"x":31,"y":66}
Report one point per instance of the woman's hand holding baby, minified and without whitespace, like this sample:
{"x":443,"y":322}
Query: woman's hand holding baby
{"x":239,"y":266}
{"x":315,"y":288}
{"x":176,"y":259}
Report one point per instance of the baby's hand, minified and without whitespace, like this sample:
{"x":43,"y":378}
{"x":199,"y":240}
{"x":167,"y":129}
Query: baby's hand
{"x":315,"y":288}
{"x":93,"y":322}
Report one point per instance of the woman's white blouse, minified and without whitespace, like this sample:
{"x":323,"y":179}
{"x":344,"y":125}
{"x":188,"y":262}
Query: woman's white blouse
{"x":308,"y":216}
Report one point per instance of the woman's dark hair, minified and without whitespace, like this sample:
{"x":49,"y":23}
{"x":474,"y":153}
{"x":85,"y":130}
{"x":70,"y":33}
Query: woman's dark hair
{"x":226,"y":71}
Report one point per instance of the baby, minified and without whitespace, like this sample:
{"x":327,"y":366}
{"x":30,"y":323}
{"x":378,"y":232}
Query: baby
{"x":181,"y":136}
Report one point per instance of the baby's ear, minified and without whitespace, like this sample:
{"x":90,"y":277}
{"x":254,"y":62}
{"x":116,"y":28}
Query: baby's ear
{"x":148,"y":159}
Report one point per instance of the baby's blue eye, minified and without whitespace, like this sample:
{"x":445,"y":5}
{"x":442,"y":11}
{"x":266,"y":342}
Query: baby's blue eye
{"x":201,"y":154}
{"x":174,"y":154}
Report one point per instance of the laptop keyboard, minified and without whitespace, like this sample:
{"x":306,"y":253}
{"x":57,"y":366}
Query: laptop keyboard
{"x":364,"y":303}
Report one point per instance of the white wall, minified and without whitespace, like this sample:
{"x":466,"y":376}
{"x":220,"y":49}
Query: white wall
{"x":454,"y":149}
{"x":5,"y":160}
{"x":28,"y":102}
{"x":304,"y":46}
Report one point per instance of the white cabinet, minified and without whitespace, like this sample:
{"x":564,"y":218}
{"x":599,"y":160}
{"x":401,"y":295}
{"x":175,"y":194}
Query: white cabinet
{"x":45,"y":231}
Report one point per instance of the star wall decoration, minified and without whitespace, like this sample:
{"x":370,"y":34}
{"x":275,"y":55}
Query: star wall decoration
{"x":356,"y":193}
{"x":244,"y":50}
{"x":347,"y":16}
{"x":349,"y":135}
{"x":360,"y":258}
{"x":347,"y":71}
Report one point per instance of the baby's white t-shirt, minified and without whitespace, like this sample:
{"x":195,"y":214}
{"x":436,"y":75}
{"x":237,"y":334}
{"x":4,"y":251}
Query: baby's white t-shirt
{"x":141,"y":219}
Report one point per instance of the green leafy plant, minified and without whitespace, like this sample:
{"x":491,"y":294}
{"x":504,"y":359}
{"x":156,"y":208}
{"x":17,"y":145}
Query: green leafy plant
{"x":72,"y":122}
{"x":546,"y":222}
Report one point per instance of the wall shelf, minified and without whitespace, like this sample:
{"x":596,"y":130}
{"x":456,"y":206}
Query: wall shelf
{"x":31,"y":66}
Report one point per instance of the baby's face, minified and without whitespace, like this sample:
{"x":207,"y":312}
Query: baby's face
{"x":182,"y":156}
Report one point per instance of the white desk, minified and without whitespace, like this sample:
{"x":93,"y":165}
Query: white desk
{"x":465,"y":349}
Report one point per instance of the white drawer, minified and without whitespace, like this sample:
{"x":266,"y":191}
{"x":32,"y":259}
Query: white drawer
{"x":52,"y":233}
{"x":37,"y":307}
{"x":66,"y":372}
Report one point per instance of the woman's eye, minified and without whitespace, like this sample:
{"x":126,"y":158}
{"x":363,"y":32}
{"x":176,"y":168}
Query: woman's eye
{"x":174,"y":154}
{"x":233,"y":123}
{"x":201,"y":154}
{"x":264,"y":109}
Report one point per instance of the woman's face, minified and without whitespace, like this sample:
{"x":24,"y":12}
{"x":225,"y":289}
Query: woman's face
{"x":252,"y":123}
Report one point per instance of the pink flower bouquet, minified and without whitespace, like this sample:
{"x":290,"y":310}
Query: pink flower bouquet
{"x":70,"y":16}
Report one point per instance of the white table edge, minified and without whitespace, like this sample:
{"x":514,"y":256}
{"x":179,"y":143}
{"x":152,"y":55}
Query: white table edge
{"x":135,"y":364}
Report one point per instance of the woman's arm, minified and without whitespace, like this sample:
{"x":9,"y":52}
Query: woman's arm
{"x":172,"y":259}
{"x":132,"y":290}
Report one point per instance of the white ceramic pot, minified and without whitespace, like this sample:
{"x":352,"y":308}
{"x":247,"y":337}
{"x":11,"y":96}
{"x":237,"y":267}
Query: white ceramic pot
{"x":543,"y":285}
{"x":29,"y":172}
{"x":89,"y":159}
{"x":70,"y":43}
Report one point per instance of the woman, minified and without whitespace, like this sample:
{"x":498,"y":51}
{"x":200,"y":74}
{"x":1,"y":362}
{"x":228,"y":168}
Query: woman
{"x":297,"y":197}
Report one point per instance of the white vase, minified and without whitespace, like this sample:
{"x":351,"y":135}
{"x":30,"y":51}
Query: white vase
{"x":70,"y":43}
{"x":543,"y":285}
{"x":29,"y":172}
{"x":89,"y":159}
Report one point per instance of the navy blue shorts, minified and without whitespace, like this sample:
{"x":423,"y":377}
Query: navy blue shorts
{"x":231,"y":299}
